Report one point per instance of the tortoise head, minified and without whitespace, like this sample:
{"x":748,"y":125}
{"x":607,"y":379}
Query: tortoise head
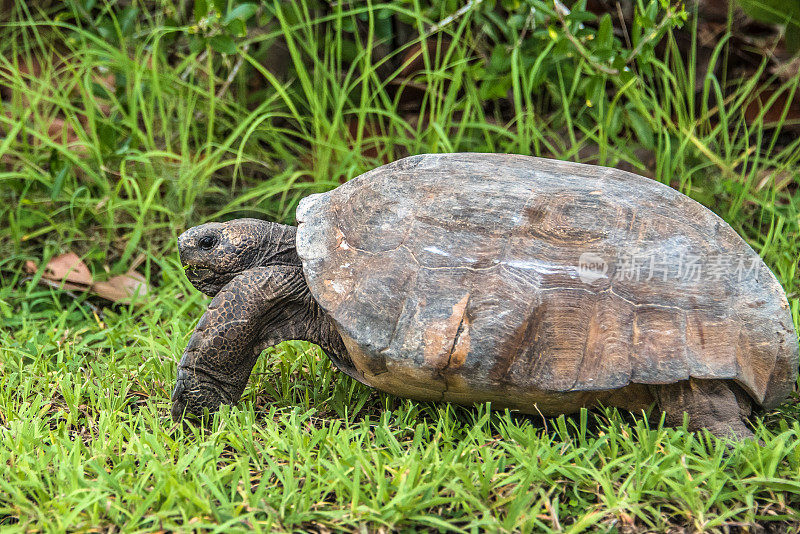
{"x":215,"y":253}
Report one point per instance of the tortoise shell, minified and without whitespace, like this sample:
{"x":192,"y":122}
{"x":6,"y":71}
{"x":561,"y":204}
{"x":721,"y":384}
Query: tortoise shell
{"x":539,"y":285}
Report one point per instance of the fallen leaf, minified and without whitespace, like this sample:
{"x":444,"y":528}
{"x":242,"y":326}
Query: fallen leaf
{"x":27,"y":73}
{"x":410,"y":86}
{"x":30,"y":68}
{"x":68,"y":272}
{"x":60,"y":130}
{"x":773,"y":113}
{"x":122,"y":287}
{"x":67,"y":267}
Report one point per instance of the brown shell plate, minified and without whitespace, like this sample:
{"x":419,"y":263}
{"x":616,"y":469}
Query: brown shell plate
{"x":513,"y":279}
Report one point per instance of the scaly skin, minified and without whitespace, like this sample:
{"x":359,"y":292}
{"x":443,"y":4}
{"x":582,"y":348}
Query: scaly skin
{"x":260,"y":299}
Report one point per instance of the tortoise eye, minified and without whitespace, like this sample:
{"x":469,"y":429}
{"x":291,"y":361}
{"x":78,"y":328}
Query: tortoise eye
{"x":207,"y":242}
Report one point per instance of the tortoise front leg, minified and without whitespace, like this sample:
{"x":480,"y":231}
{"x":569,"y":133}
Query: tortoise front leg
{"x":258,"y":308}
{"x":719,"y":406}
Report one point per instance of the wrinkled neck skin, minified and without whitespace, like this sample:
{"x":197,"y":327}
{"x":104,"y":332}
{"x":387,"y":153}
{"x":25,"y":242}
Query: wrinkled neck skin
{"x":278,"y":247}
{"x":297,"y":315}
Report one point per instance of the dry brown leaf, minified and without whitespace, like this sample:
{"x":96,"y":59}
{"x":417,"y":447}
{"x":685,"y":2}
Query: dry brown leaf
{"x":780,"y":179}
{"x":31,"y":267}
{"x":68,"y":272}
{"x":25,"y":68}
{"x":66,"y":267}
{"x":122,"y":287}
{"x":775,"y":112}
{"x":60,"y":130}
{"x":413,"y":59}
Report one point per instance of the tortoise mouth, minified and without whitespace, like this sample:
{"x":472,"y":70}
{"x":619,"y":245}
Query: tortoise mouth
{"x":197,"y":273}
{"x":205,"y":279}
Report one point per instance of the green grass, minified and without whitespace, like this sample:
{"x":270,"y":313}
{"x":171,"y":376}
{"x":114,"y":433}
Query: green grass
{"x":184,"y":134}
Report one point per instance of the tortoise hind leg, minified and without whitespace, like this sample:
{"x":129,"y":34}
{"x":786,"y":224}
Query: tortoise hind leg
{"x":717,"y":405}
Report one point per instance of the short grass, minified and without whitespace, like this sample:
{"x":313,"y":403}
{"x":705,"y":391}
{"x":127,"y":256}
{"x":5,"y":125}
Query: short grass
{"x":116,"y":134}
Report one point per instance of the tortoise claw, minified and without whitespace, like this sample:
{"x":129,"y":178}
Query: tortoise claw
{"x":178,"y":404}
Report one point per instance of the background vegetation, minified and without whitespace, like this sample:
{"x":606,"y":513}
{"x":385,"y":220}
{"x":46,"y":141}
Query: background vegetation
{"x":124,"y":122}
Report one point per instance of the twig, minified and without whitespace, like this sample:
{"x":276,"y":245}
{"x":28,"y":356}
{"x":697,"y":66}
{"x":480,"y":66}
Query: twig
{"x":233,"y":71}
{"x":561,"y":10}
{"x":653,"y":35}
{"x":97,"y":311}
{"x":624,"y":25}
{"x":528,"y":22}
{"x":199,"y":59}
{"x":231,"y":75}
{"x":450,"y":18}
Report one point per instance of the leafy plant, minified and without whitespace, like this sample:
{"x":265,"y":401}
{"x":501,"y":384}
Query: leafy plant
{"x":219,"y":23}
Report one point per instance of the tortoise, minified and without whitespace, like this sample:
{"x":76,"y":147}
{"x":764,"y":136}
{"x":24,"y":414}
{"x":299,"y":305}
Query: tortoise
{"x":539,"y":285}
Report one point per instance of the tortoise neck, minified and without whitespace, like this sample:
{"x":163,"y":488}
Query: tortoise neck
{"x":309,"y":322}
{"x":298,"y":316}
{"x":317,"y":327}
{"x":324,"y":333}
{"x":278,"y":247}
{"x":320,"y":329}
